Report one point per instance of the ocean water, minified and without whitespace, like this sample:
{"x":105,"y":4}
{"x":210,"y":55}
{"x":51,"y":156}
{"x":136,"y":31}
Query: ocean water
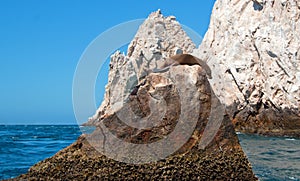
{"x":272,"y":158}
{"x":22,"y":146}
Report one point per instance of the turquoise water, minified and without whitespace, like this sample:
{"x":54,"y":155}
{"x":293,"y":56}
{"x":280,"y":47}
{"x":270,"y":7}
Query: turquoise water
{"x":22,"y":146}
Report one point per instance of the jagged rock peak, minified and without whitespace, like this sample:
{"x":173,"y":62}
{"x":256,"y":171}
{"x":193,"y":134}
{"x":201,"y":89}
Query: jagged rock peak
{"x":157,"y":38}
{"x":160,"y":35}
{"x":156,"y":14}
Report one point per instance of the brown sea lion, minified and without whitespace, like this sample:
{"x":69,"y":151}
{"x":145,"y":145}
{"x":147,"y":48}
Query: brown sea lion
{"x":183,"y":59}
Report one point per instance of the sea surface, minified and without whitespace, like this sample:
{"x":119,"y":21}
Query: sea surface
{"x":21,"y":147}
{"x":272,"y":158}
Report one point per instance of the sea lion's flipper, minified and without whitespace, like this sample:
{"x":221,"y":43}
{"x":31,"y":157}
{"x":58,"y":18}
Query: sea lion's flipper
{"x":164,"y":69}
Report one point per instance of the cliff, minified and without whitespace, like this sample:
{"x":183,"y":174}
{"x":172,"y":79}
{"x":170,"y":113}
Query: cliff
{"x":253,"y":49}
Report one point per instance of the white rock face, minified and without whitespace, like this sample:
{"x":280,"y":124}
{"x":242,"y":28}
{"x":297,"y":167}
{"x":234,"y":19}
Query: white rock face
{"x":158,"y":38}
{"x":253,"y":49}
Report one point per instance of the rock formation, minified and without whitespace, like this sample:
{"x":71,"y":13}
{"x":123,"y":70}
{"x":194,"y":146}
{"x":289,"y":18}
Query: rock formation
{"x":154,"y":125}
{"x":252,"y":48}
{"x":175,"y":144}
{"x":158,"y":38}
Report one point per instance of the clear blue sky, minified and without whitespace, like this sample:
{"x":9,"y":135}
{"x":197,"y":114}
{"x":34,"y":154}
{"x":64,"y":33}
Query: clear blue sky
{"x":41,"y":43}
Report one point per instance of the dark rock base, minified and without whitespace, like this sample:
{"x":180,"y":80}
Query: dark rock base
{"x":268,"y":121}
{"x":80,"y":161}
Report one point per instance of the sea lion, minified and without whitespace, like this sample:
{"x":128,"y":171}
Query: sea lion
{"x":183,"y":59}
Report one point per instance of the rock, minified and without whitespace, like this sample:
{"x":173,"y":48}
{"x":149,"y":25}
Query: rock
{"x":158,"y":38}
{"x":252,"y":48}
{"x":164,"y":125}
{"x":175,"y":104}
{"x":80,"y":161}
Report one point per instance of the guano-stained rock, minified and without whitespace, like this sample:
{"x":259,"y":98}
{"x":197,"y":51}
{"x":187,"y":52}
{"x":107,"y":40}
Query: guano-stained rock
{"x":252,"y":48}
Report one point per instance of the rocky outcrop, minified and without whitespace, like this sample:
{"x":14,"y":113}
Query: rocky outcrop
{"x":154,"y":125}
{"x":163,"y":131}
{"x":253,"y":49}
{"x":80,"y":161}
{"x":158,"y":38}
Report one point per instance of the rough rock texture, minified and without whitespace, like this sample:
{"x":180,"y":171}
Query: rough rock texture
{"x":253,"y":50}
{"x":80,"y":161}
{"x":158,"y":37}
{"x":184,"y":97}
{"x":165,"y":125}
